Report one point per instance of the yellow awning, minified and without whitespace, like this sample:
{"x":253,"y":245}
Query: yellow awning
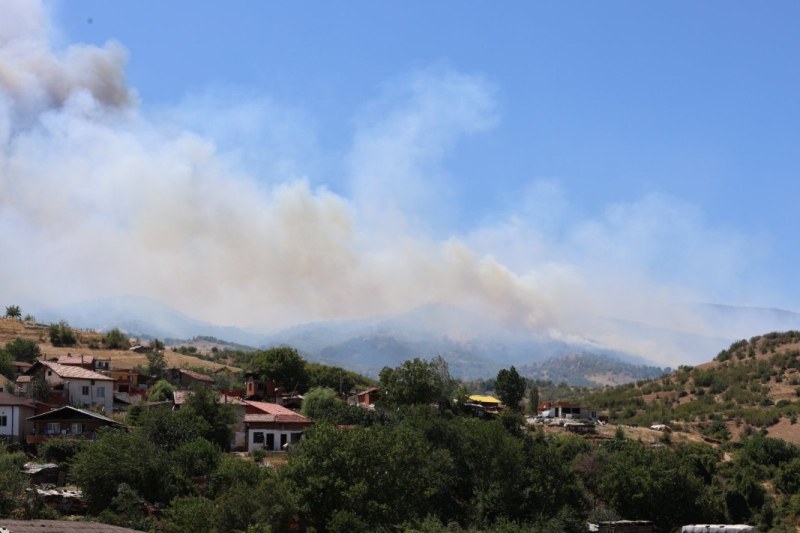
{"x":483,"y":399}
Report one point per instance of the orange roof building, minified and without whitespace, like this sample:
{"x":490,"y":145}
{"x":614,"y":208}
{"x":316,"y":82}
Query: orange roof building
{"x":271,"y":426}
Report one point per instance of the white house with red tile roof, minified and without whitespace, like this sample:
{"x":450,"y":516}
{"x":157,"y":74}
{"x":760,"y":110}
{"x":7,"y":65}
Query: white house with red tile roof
{"x":271,"y":426}
{"x":14,"y":413}
{"x":84,"y":387}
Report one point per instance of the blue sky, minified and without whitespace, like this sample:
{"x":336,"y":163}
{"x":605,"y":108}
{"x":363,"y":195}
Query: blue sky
{"x":538,"y":159}
{"x":613,"y":101}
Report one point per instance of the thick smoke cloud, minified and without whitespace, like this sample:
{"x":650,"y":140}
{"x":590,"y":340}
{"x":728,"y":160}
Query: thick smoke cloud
{"x":99,"y":198}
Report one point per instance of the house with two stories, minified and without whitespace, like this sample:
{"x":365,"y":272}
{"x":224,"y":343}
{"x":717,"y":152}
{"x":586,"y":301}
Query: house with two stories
{"x":83,"y":387}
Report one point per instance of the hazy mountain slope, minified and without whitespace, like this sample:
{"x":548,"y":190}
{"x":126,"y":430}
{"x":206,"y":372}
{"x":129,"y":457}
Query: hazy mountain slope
{"x":142,"y":316}
{"x":590,"y":370}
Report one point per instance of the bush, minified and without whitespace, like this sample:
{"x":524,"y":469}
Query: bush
{"x":22,"y":350}
{"x":116,"y":340}
{"x":61,"y":334}
{"x":60,"y":450}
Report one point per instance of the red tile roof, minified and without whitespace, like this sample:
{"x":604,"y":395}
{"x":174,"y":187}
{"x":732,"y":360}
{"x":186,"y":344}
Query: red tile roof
{"x":76,"y":360}
{"x":74,"y":372}
{"x":6,"y":398}
{"x":197,"y":375}
{"x":272,"y":412}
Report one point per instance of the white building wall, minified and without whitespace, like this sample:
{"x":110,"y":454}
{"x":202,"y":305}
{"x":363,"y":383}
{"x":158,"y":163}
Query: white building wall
{"x":253,"y":444}
{"x":82,"y":392}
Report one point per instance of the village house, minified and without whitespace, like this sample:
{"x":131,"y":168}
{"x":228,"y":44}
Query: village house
{"x":566,"y":410}
{"x":83,"y":387}
{"x":14,"y":413}
{"x":124,"y":380}
{"x":366,"y":398}
{"x":271,"y":426}
{"x":67,"y":421}
{"x":183,"y":378}
{"x":259,"y":389}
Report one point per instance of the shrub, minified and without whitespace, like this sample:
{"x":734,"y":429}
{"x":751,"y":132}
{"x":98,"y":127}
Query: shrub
{"x":61,"y":334}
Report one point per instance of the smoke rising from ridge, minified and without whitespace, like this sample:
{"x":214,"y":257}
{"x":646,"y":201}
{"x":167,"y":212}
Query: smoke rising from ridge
{"x":99,"y":198}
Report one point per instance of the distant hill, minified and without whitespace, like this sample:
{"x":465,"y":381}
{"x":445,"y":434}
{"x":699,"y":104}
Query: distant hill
{"x":590,"y":370}
{"x":475,"y":345}
{"x":143,"y":317}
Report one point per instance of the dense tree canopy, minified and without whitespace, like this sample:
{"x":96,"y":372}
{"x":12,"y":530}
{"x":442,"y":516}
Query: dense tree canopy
{"x":417,"y":382}
{"x":283,"y":365}
{"x":510,"y":387}
{"x":23,"y":350}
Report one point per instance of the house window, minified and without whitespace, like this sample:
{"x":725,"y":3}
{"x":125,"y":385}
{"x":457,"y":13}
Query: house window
{"x":258,"y":437}
{"x":85,"y":390}
{"x":53,"y":428}
{"x":101,"y":392}
{"x":3,"y":420}
{"x":78,"y":428}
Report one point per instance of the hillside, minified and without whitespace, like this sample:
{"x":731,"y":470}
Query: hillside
{"x":10,"y":329}
{"x":752,"y":386}
{"x":586,"y":369}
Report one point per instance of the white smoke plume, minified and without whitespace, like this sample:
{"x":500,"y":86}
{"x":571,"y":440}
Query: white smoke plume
{"x":98,"y":198}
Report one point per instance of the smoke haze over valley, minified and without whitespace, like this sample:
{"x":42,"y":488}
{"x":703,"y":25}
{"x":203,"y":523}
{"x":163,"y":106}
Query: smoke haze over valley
{"x":233,"y":207}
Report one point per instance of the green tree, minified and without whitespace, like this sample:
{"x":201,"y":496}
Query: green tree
{"x":13,"y":481}
{"x":334,"y":378}
{"x":118,"y":457}
{"x":156,"y":345}
{"x":196,"y":458}
{"x":13,"y":311}
{"x":533,"y":400}
{"x":204,"y":403}
{"x":40,"y":388}
{"x":320,"y":403}
{"x":6,"y":366}
{"x":283,"y":365}
{"x":115,"y":339}
{"x":61,"y":334}
{"x":161,"y":391}
{"x":156,"y":364}
{"x":510,"y":387}
{"x":417,"y":382}
{"x":381,"y":476}
{"x":654,"y":484}
{"x":189,"y":515}
{"x":23,"y":350}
